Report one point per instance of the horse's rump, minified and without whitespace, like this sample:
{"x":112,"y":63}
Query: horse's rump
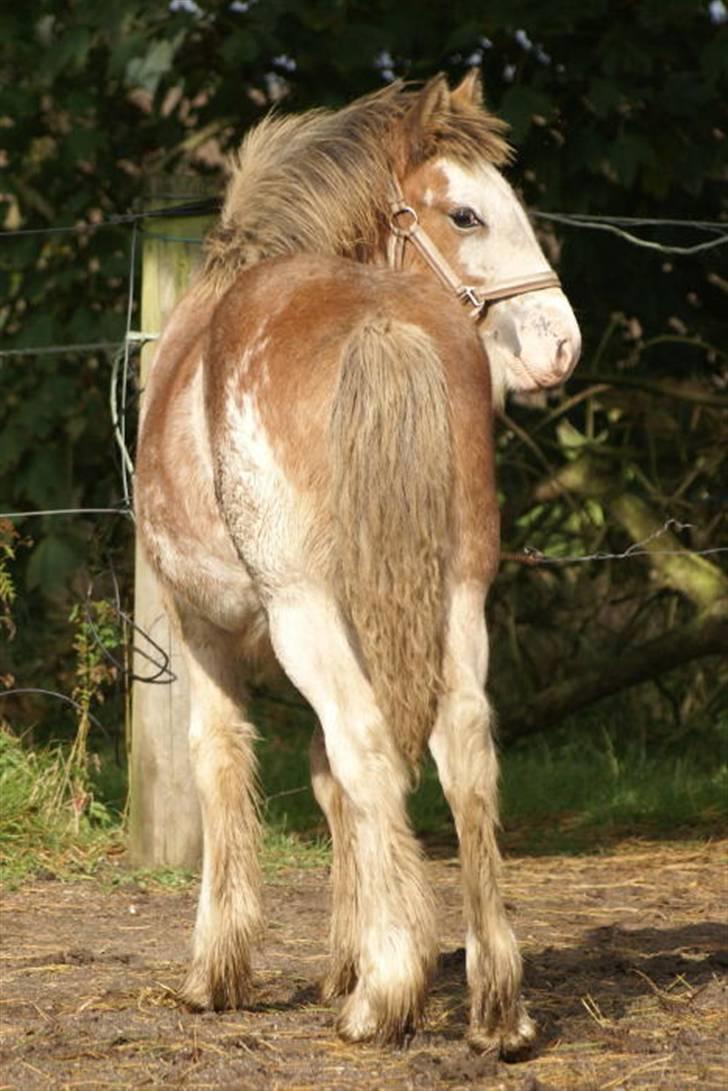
{"x":348,"y":454}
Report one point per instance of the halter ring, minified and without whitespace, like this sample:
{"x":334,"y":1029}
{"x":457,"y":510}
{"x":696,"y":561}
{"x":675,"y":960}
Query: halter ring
{"x":403,"y":232}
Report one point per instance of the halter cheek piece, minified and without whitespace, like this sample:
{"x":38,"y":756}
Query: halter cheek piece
{"x":476,"y":299}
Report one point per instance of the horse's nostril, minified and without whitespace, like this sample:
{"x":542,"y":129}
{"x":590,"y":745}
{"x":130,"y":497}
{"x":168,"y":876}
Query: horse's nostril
{"x":567,"y":353}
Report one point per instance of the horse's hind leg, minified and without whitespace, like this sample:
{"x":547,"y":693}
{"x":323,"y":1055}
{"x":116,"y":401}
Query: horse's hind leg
{"x":396,"y":942}
{"x":221,"y":751}
{"x":462,"y":746}
{"x":344,"y":936}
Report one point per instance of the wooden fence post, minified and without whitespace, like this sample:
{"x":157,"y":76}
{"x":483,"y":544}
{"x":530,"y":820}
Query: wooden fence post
{"x":164,"y":818}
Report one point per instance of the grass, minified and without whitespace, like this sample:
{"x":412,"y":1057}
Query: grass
{"x":49,"y":819}
{"x":582,"y":787}
{"x":283,"y":850}
{"x":573,"y":791}
{"x":584,"y":792}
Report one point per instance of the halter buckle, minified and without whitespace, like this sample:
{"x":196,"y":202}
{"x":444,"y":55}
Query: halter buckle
{"x":468,"y":295}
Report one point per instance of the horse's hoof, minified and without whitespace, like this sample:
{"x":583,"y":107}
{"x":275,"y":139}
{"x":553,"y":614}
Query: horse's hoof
{"x":358,"y":1022}
{"x":200,"y":994}
{"x":194,"y":994}
{"x":512,"y":1044}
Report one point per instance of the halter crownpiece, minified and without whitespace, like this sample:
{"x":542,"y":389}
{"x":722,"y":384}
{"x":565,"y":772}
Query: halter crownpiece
{"x":475,"y":298}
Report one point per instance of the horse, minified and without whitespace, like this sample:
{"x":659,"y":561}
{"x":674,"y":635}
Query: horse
{"x":315,"y":486}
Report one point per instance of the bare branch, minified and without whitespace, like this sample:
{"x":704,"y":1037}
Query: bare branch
{"x":705,"y":634}
{"x":686,"y":392}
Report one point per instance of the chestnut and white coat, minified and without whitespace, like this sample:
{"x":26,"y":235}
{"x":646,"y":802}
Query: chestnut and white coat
{"x":315,"y":486}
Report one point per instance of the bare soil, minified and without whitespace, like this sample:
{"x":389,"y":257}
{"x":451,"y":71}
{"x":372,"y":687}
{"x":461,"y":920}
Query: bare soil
{"x":625,"y":971}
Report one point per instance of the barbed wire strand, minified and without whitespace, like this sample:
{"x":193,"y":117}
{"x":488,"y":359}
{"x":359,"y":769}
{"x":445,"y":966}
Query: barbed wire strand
{"x":532,"y":556}
{"x":628,"y":554}
{"x":50,"y":350}
{"x":163,"y":676}
{"x":640,"y":221}
{"x":121,"y":360}
{"x":127,"y":468}
{"x":64,"y":511}
{"x":567,"y":220}
{"x":635,"y":240}
{"x":529,"y":555}
{"x":206,"y":207}
{"x":60,"y":696}
{"x":210,"y":206}
{"x":135,"y":337}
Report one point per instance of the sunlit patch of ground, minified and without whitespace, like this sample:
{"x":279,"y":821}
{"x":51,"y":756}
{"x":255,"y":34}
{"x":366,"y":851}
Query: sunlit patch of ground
{"x":625,"y":971}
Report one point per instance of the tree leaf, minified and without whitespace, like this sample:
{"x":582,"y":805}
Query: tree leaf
{"x":520,"y":105}
{"x":51,"y":563}
{"x":147,"y":71}
{"x":604,"y":96}
{"x":628,"y":153}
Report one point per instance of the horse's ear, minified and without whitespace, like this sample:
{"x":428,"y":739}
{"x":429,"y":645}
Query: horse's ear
{"x":432,"y":101}
{"x":469,"y":92}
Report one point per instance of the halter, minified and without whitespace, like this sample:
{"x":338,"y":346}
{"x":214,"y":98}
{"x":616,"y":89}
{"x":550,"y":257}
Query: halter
{"x":476,"y":299}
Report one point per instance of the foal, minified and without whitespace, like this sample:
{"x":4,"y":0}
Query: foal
{"x":315,"y":478}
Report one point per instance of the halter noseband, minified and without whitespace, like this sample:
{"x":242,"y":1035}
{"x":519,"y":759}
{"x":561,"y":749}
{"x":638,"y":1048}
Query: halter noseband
{"x":476,"y":299}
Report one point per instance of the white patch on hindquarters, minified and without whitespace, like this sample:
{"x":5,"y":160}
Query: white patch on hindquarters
{"x":269,"y":519}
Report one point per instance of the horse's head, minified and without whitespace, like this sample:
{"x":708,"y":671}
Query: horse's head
{"x":455,"y":193}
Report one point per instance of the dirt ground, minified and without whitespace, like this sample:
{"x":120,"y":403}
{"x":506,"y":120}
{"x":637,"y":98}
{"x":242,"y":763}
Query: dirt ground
{"x":625,"y":971}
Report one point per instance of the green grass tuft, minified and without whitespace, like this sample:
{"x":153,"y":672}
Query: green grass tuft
{"x":47,"y":822}
{"x":569,"y":790}
{"x":283,"y":849}
{"x":582,"y":788}
{"x":580,"y":791}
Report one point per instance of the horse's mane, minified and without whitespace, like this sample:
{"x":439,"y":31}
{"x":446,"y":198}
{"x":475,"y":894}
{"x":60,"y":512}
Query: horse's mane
{"x":318,"y":182}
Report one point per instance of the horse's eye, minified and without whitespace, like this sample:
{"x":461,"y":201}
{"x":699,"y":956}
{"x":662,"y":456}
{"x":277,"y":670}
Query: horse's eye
{"x":465,"y":218}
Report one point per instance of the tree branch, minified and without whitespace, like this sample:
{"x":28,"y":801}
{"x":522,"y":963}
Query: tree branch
{"x":664,"y":388}
{"x":700,"y":581}
{"x":706,"y":634}
{"x":695,"y":577}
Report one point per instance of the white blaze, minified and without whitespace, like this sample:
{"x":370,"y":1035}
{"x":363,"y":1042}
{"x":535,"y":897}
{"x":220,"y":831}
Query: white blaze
{"x":533,"y":339}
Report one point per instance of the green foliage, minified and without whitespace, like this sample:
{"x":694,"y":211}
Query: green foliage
{"x":584,"y":784}
{"x":50,"y":816}
{"x":8,"y":540}
{"x":155,"y":878}
{"x":285,"y":849}
{"x":49,"y":819}
{"x":97,"y":634}
{"x":575,"y":792}
{"x":617,"y":109}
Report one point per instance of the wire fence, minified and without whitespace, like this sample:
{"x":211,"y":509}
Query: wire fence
{"x":208,"y":206}
{"x":615,"y":225}
{"x":212,"y":205}
{"x":133,"y":340}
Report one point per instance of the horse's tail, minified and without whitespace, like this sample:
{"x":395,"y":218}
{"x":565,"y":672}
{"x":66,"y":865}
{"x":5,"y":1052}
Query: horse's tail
{"x":392,"y":464}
